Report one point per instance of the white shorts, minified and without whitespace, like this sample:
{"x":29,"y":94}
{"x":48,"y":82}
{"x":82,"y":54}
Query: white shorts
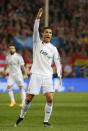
{"x":16,"y":79}
{"x":38,"y":81}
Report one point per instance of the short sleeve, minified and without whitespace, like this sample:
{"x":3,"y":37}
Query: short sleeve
{"x":21,"y":61}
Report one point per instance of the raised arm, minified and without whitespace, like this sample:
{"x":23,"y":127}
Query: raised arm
{"x":36,"y":37}
{"x":58,"y":64}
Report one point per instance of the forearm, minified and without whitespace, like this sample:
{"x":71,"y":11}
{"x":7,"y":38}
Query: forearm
{"x":24,"y":70}
{"x":36,"y":25}
{"x":59,"y":70}
{"x":57,"y":62}
{"x":4,"y":72}
{"x":59,"y":67}
{"x":5,"y":68}
{"x":36,"y":37}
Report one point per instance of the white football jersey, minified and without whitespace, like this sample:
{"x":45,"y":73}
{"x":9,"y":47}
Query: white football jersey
{"x":14,"y":61}
{"x":43,"y":55}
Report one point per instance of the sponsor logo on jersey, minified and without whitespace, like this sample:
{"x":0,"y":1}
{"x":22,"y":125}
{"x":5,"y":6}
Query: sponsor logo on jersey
{"x":45,"y":53}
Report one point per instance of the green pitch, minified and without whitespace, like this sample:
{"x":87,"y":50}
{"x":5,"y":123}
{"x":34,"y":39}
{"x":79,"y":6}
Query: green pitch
{"x":70,"y":113}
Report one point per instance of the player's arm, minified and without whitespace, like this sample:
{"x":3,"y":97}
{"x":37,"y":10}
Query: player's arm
{"x":5,"y":68}
{"x":83,"y":68}
{"x":21,"y":62}
{"x":36,"y":37}
{"x":60,"y":80}
{"x":24,"y":71}
{"x":58,"y":65}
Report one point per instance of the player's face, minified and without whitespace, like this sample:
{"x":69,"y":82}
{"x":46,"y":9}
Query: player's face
{"x":47,"y":35}
{"x":12,"y":49}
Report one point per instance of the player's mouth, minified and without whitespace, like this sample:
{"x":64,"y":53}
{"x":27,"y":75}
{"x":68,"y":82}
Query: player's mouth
{"x":48,"y":37}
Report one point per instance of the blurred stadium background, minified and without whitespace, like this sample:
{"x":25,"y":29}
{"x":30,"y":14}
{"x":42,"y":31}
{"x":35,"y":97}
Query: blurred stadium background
{"x":69,"y":21}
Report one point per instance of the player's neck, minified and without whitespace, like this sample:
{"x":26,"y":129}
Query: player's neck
{"x":13,"y":53}
{"x":45,"y":42}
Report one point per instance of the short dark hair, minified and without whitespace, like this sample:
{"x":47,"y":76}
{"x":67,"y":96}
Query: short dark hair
{"x":11,"y":44}
{"x":48,"y":27}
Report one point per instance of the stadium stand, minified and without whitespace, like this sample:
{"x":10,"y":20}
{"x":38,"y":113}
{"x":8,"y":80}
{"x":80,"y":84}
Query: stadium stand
{"x":67,"y":19}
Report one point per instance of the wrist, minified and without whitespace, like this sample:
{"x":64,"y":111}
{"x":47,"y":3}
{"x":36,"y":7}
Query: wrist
{"x":59,"y":77}
{"x":38,"y":18}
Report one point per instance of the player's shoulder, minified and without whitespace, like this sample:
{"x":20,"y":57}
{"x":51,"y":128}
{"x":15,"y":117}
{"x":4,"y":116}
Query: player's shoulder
{"x":18,"y":55}
{"x":8,"y":55}
{"x":53,"y":47}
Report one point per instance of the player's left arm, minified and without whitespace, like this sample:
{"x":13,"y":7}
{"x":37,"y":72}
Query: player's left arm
{"x":24,"y":71}
{"x":58,"y":65}
{"x":21,"y":62}
{"x":4,"y":73}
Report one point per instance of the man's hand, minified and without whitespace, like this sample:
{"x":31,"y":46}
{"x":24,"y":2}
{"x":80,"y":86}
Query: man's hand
{"x":40,"y":12}
{"x":25,"y":75}
{"x":60,"y":81}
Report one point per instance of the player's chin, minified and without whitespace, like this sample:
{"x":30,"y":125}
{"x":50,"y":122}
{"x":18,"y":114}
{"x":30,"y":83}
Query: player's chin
{"x":48,"y":40}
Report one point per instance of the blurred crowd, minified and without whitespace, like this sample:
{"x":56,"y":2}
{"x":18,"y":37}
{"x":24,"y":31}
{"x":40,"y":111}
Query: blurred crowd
{"x":68,"y":19}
